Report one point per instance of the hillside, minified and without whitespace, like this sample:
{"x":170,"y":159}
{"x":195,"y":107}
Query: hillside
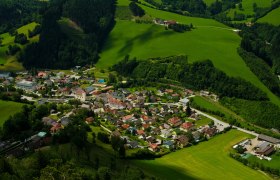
{"x":7,"y":109}
{"x":208,"y":160}
{"x":10,"y":63}
{"x":207,"y":41}
{"x":272,"y":17}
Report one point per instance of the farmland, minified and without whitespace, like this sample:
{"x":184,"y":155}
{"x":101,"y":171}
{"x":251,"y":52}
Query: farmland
{"x":208,"y":160}
{"x":10,"y":62}
{"x":207,"y":41}
{"x":272,"y":17}
{"x":7,"y":109}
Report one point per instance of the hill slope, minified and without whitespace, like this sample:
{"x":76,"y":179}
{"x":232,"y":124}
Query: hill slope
{"x":208,"y":160}
{"x":209,"y":40}
{"x":272,"y":17}
{"x":10,"y":63}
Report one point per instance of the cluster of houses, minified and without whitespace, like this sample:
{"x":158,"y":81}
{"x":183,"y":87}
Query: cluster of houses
{"x":262,"y":146}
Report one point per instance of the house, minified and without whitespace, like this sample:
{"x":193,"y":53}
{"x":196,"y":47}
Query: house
{"x":48,"y":121}
{"x":182,"y":141}
{"x":204,"y":93}
{"x":187,"y":126}
{"x":132,"y":144}
{"x":89,"y":120}
{"x":209,"y":131}
{"x":151,"y":139}
{"x":175,"y":121}
{"x":89,"y":89}
{"x":55,"y":129}
{"x":125,"y":126}
{"x":166,"y":133}
{"x":196,"y":135}
{"x":184,"y":101}
{"x":42,"y":74}
{"x":168,"y":144}
{"x":169,"y":22}
{"x":153,"y":147}
{"x":64,"y":121}
{"x":128,"y":118}
{"x":272,"y":140}
{"x":140,"y":132}
{"x":80,"y":94}
{"x":264,"y":148}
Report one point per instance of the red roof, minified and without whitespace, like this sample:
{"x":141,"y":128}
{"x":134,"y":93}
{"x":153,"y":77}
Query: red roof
{"x":80,"y":92}
{"x":140,"y":132}
{"x":174,"y":120}
{"x":145,"y":118}
{"x":125,"y":126}
{"x":145,"y":126}
{"x":153,"y":146}
{"x":127,"y":117}
{"x":187,"y":125}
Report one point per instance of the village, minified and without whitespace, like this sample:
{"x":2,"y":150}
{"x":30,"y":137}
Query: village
{"x":160,"y":120}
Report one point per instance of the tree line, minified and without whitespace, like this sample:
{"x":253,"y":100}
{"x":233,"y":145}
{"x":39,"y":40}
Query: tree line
{"x":197,"y":76}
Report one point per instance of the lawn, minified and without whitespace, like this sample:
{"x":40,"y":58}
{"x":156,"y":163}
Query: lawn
{"x":8,"y":108}
{"x":10,"y":62}
{"x":207,"y":160}
{"x":210,"y":40}
{"x":272,"y":17}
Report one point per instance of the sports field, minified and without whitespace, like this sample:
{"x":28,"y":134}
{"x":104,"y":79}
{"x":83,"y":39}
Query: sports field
{"x":8,"y":108}
{"x":207,"y":160}
{"x":209,"y":40}
{"x":272,"y":17}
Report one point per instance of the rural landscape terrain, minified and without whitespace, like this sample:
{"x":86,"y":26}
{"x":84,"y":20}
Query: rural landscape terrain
{"x":140,"y":89}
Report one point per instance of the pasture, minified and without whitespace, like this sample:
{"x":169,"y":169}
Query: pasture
{"x":8,"y":108}
{"x":209,"y":40}
{"x":207,"y":160}
{"x":10,"y":63}
{"x":272,"y":17}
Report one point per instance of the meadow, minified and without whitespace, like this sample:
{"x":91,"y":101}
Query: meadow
{"x":8,"y":108}
{"x":247,"y":7}
{"x":209,"y":40}
{"x":207,"y":160}
{"x":272,"y":17}
{"x":10,"y":63}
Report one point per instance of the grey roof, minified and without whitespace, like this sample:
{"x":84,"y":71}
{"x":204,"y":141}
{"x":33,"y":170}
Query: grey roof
{"x":269,"y":139}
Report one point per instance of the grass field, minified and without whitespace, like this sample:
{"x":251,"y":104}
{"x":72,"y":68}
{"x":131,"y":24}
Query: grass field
{"x":247,"y":6}
{"x":8,"y":108}
{"x":207,"y":160}
{"x":210,"y":40}
{"x":10,"y":62}
{"x":272,"y":17}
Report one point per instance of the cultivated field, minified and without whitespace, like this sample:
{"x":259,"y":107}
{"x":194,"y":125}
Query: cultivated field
{"x":208,"y":160}
{"x":272,"y":17}
{"x":209,"y":40}
{"x":8,"y":108}
{"x":10,"y":63}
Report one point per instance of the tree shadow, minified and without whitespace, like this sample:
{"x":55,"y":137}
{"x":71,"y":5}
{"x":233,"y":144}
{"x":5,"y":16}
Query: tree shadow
{"x":145,"y":37}
{"x":163,"y":171}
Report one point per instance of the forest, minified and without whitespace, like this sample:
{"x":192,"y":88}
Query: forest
{"x":197,"y":76}
{"x":16,"y":13}
{"x":59,"y":50}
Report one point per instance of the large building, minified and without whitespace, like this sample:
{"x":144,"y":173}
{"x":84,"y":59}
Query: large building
{"x":26,"y":85}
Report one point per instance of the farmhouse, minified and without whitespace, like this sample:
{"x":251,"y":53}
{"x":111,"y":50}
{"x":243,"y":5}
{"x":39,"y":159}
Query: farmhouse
{"x":272,"y":140}
{"x":264,"y":148}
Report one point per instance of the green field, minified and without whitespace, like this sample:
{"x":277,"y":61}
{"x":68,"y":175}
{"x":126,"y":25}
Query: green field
{"x":207,"y":160}
{"x":272,"y":17}
{"x":10,"y":62}
{"x":209,"y":40}
{"x":8,"y":108}
{"x":247,"y":6}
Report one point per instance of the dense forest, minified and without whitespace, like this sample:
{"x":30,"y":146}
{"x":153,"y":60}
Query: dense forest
{"x":262,"y":113}
{"x":264,"y":41}
{"x":199,"y":75}
{"x":94,"y":19}
{"x":16,"y":13}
